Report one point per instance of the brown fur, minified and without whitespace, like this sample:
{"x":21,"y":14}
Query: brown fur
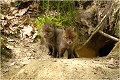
{"x":49,"y":38}
{"x":66,"y":40}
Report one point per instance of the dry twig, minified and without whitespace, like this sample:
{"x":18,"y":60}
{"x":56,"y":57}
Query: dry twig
{"x":109,"y":36}
{"x":98,"y":26}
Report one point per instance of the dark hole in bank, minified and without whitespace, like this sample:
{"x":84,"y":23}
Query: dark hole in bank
{"x":98,"y":46}
{"x":106,"y":49}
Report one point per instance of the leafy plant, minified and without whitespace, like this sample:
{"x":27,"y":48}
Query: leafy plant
{"x":65,"y":10}
{"x":49,"y":19}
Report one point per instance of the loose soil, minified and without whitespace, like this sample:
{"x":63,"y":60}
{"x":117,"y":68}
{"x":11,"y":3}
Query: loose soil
{"x":31,"y":62}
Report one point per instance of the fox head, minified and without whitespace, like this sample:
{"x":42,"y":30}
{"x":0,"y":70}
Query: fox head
{"x":47,"y":30}
{"x":69,"y":36}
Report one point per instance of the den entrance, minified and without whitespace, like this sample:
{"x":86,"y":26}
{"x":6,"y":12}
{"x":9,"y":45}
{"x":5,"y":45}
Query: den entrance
{"x":98,"y":46}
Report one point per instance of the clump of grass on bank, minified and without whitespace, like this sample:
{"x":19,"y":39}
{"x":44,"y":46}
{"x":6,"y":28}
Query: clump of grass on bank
{"x":63,"y":11}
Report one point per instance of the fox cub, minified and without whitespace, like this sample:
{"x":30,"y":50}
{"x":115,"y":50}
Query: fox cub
{"x":67,"y":40}
{"x":48,"y":35}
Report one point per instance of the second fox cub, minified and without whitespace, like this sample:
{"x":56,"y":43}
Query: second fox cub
{"x":48,"y":35}
{"x":67,"y":40}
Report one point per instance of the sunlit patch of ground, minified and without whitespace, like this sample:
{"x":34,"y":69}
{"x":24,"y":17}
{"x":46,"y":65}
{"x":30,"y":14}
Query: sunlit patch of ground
{"x":32,"y":62}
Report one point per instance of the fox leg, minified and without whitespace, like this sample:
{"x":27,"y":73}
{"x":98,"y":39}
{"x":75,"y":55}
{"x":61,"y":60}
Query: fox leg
{"x":54,"y":54}
{"x":50,"y":50}
{"x":61,"y":52}
{"x":70,"y":51}
{"x":74,"y":54}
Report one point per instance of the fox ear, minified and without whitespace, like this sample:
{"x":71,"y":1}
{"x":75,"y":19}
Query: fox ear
{"x":74,"y":29}
{"x":53,"y":25}
{"x":63,"y":28}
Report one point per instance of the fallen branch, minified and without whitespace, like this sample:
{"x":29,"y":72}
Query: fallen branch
{"x":98,"y":26}
{"x":25,"y":20}
{"x":108,"y":36}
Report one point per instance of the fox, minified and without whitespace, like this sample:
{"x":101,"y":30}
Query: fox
{"x":67,"y":39}
{"x":48,"y":36}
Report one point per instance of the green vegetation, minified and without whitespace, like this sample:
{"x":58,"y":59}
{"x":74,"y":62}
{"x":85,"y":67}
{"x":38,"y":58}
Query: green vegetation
{"x":58,"y":12}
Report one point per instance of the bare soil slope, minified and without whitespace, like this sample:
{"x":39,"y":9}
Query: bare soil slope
{"x":33,"y":63}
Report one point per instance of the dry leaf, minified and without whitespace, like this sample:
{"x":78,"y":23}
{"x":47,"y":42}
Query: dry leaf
{"x":14,"y":12}
{"x":21,"y":12}
{"x":26,"y":31}
{"x":9,"y":17}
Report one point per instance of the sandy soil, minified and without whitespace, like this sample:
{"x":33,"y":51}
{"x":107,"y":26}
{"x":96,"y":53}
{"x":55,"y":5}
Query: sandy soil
{"x":31,"y":62}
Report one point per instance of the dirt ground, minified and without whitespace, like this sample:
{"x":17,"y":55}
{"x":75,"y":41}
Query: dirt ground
{"x":31,"y":62}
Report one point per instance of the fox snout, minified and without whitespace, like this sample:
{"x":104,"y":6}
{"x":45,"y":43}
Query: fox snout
{"x":69,"y":42}
{"x":45,"y":36}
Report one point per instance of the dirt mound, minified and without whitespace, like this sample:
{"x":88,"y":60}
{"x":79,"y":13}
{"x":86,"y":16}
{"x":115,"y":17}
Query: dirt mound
{"x":66,"y":69}
{"x":37,"y":65}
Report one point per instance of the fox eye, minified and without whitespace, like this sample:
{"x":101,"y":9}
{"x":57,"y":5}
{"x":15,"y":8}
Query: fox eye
{"x":73,"y":37}
{"x":66,"y":37}
{"x":43,"y":30}
{"x":48,"y":30}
